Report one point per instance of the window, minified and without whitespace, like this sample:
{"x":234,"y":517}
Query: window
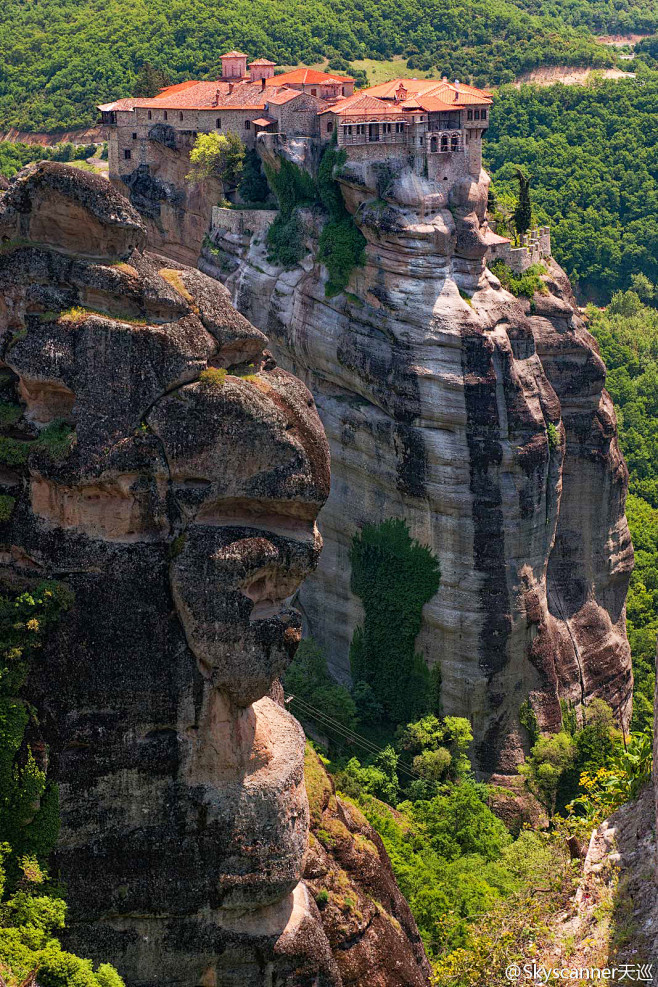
{"x":477,"y":114}
{"x":165,"y":115}
{"x":247,"y":125}
{"x":483,"y":115}
{"x":348,"y":130}
{"x":134,"y":137}
{"x":343,"y":90}
{"x":469,"y":115}
{"x":180,"y":116}
{"x":150,"y":115}
{"x":386,"y":128}
{"x":314,"y":92}
{"x":360,"y":128}
{"x":330,"y":127}
{"x":399,"y":128}
{"x":127,"y":154}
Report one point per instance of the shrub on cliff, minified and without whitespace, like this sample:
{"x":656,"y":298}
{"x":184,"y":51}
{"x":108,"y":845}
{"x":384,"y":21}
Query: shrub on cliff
{"x":342,"y":245}
{"x":394,"y":576}
{"x":216,"y":156}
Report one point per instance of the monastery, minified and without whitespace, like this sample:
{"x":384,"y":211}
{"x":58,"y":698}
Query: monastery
{"x":439,"y":123}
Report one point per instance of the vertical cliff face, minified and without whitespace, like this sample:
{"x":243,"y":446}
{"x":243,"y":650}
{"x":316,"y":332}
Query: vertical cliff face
{"x":170,"y":474}
{"x":482,"y":420}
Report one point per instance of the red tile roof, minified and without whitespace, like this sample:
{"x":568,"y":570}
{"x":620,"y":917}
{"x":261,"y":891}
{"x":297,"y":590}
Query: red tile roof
{"x":262,"y":61}
{"x":234,"y":54}
{"x":207,"y":95}
{"x":278,"y":98}
{"x":127,"y":103}
{"x":308,"y":77}
{"x":263,"y":122}
{"x":363,"y":104}
{"x":439,"y":88}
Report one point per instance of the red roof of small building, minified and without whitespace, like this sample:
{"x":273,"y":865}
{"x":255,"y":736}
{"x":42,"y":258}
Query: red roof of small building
{"x":263,"y":122}
{"x":440,"y":88}
{"x":363,"y":104}
{"x":308,"y":77}
{"x":262,"y":61}
{"x":278,"y":98}
{"x":234,"y":54}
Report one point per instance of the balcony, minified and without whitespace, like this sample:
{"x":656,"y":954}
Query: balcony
{"x":444,"y":142}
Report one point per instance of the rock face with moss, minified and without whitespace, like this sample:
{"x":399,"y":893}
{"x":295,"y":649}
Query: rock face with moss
{"x":368,"y":923}
{"x":156,"y":461}
{"x":480,"y":419}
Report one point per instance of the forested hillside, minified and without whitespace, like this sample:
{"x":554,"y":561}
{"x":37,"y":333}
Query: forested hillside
{"x":592,"y":155}
{"x":627,"y":333}
{"x":60,"y":57}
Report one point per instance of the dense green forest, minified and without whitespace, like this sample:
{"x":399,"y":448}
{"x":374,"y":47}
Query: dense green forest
{"x":60,"y":57}
{"x":627,"y":333}
{"x":592,"y":155}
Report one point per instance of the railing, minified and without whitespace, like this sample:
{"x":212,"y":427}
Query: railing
{"x":444,"y":141}
{"x":345,"y":139}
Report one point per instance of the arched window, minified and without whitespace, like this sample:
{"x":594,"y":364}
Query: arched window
{"x":180,"y":116}
{"x":434,"y":145}
{"x":454,"y":143}
{"x":444,"y":143}
{"x":150,"y":115}
{"x":165,"y":115}
{"x":218,"y":123}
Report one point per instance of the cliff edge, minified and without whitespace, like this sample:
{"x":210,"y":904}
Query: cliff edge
{"x":479,"y":418}
{"x":157,"y":461}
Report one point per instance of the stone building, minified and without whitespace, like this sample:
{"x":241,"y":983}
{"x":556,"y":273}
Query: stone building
{"x":247,"y":100}
{"x":440,"y":123}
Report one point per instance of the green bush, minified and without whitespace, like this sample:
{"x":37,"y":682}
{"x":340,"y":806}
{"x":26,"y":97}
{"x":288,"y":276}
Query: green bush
{"x":342,"y":245}
{"x":308,"y":679}
{"x":527,"y":284}
{"x":394,"y":576}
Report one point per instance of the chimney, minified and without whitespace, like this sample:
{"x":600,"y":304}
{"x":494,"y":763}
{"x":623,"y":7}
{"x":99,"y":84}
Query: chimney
{"x":444,"y":79}
{"x":230,"y":88}
{"x":262,"y":83}
{"x":456,"y":89}
{"x":217,"y":94}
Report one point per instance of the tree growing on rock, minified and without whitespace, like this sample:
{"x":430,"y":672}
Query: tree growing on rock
{"x":523,"y":211}
{"x":218,"y":156}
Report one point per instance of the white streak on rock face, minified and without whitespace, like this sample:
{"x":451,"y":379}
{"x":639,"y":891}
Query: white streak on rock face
{"x":435,"y":387}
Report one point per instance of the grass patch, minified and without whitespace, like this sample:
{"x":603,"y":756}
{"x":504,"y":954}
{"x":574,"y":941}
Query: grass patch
{"x":213,"y":377}
{"x":6,"y":506}
{"x":318,"y":786}
{"x":77,"y":315}
{"x":173,"y":277}
{"x":467,"y":298}
{"x":527,"y":284}
{"x":55,"y":440}
{"x":9,"y":414}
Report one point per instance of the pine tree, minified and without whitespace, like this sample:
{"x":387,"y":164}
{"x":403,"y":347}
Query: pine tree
{"x":523,"y":211}
{"x":150,"y":81}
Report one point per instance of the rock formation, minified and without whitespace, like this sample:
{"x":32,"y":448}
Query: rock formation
{"x":161,"y":466}
{"x":478,"y":417}
{"x":176,"y":212}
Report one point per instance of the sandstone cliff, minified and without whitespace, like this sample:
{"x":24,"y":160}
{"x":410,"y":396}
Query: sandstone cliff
{"x":482,"y":420}
{"x":160,"y":465}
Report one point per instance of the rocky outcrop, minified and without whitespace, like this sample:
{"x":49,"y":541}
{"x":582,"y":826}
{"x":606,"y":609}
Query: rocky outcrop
{"x":368,"y":923}
{"x":166,"y":470}
{"x":175,"y":211}
{"x":479,"y":418}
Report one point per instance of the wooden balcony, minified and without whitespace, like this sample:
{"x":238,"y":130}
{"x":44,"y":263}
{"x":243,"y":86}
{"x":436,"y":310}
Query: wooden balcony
{"x":345,"y":140}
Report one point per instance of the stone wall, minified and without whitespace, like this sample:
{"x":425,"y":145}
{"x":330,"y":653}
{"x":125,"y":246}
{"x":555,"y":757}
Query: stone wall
{"x":535,"y":247}
{"x":242,"y":221}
